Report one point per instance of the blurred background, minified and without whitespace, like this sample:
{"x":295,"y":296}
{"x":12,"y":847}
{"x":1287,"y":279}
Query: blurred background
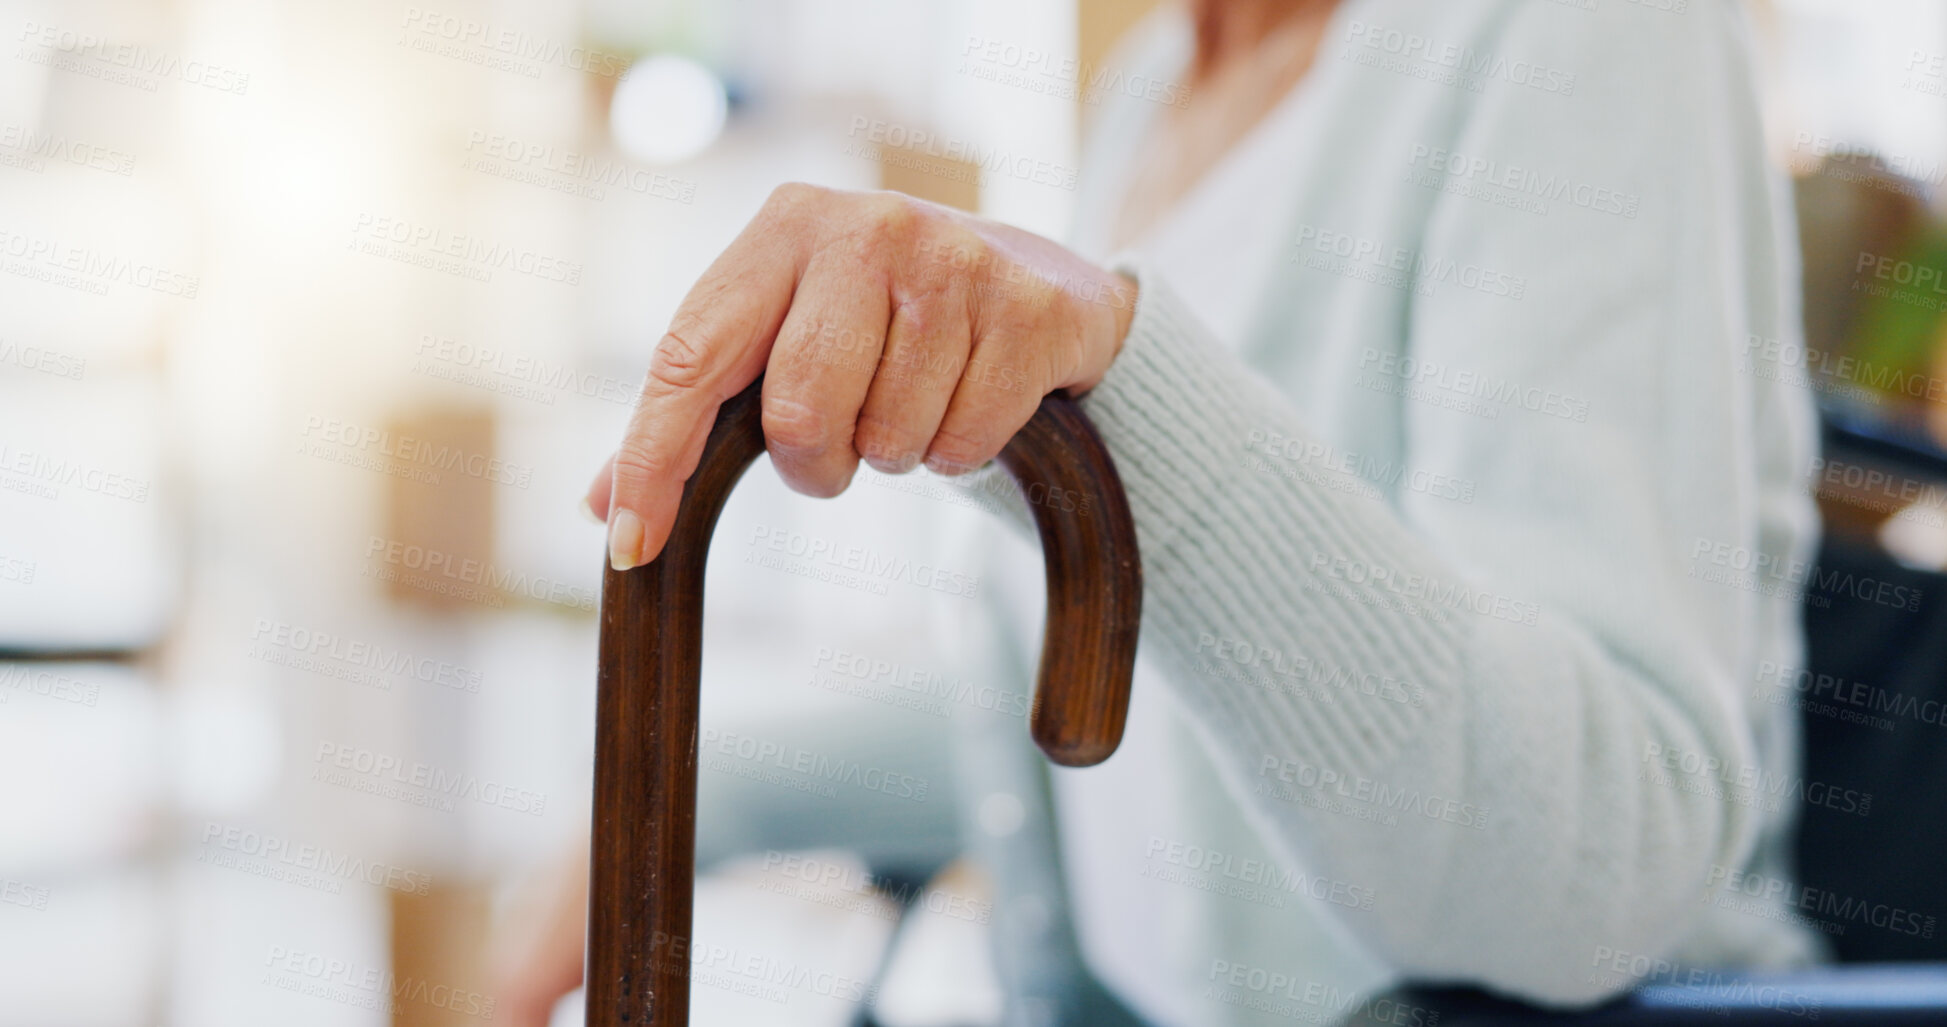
{"x":315,"y":320}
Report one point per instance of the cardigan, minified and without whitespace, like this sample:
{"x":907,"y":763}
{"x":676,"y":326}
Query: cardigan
{"x":1468,"y":552}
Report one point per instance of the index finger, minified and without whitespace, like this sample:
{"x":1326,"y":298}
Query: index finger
{"x":716,"y":344}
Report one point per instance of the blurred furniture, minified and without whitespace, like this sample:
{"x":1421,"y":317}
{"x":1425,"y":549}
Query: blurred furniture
{"x":90,"y":586}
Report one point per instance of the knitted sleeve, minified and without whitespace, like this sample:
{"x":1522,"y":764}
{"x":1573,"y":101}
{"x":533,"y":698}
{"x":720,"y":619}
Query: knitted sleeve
{"x":1522,"y":715}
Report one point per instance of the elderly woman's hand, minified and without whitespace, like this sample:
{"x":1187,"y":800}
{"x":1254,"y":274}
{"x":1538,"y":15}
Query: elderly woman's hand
{"x":887,"y":329}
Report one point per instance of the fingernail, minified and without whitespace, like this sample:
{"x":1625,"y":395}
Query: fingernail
{"x":624,"y":539}
{"x":589,"y":511}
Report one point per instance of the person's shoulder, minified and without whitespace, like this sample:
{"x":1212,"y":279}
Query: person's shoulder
{"x":1600,"y":45}
{"x":1629,"y":19}
{"x":1628,"y":84}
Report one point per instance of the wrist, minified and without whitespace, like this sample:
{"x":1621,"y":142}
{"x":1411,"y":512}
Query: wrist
{"x":1116,"y":302}
{"x":1124,"y":304}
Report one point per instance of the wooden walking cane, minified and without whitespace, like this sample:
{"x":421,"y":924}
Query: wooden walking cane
{"x":642,"y":875}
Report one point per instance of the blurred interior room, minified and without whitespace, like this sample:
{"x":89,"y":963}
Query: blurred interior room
{"x":317,"y":318}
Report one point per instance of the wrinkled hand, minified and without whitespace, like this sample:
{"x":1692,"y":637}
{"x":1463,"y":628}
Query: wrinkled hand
{"x":888,"y":329}
{"x":537,"y":951}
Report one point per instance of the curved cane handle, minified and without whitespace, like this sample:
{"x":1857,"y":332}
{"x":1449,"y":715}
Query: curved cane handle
{"x":644,"y":848}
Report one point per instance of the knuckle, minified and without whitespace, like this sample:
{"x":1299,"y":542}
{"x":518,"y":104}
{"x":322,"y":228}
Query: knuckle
{"x":936,"y":291}
{"x":979,"y":254}
{"x":1045,"y":296}
{"x":981,"y":261}
{"x":894,"y":217}
{"x":1063,"y":306}
{"x":886,"y":446}
{"x":958,"y":251}
{"x":949,"y":260}
{"x":792,"y":196}
{"x":1033,"y":359}
{"x":1055,"y":363}
{"x":920,"y":328}
{"x":1017,"y":310}
{"x":955,"y":454}
{"x":677,"y":363}
{"x":795,"y":427}
{"x":637,"y":462}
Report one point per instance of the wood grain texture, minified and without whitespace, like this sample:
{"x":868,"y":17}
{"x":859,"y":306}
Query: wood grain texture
{"x":642,"y":873}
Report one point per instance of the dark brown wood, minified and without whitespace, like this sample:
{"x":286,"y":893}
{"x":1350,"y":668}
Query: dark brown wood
{"x":1095,"y":583}
{"x":642,"y":872}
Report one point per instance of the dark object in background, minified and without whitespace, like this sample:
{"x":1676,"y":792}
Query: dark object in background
{"x":1881,"y":995}
{"x":1886,"y":664}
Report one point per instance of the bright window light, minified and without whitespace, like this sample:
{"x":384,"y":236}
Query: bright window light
{"x":667,"y":109}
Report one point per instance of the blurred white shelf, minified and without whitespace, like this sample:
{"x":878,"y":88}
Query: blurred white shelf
{"x":88,"y":560}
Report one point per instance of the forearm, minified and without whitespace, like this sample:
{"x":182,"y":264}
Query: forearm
{"x":1386,"y":717}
